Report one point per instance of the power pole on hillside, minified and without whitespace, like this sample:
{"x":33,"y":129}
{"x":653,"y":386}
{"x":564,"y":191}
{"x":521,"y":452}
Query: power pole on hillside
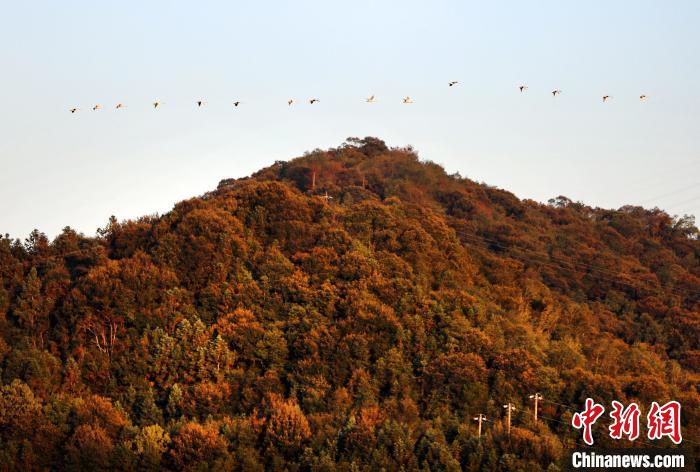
{"x":509,"y":408}
{"x":537,"y":397}
{"x":480,"y":418}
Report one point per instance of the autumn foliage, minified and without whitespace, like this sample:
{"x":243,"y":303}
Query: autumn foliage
{"x":351,"y":309}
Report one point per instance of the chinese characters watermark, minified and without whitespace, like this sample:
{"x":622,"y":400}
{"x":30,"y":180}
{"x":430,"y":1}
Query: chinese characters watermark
{"x":662,"y":421}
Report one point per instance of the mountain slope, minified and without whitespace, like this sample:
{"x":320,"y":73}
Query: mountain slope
{"x":354,"y":307}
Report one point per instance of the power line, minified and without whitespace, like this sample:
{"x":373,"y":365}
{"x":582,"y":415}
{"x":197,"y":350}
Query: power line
{"x":551,"y":256}
{"x":554,"y":264}
{"x":676,"y":205}
{"x":561,"y":405}
{"x":668,"y":194}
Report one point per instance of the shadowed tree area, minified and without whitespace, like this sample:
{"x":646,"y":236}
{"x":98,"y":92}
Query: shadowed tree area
{"x":351,"y":309}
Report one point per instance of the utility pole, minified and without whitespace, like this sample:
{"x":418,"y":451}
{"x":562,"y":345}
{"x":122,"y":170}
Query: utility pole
{"x":537,"y":397}
{"x":480,"y":418}
{"x":313,"y":180}
{"x":509,"y":408}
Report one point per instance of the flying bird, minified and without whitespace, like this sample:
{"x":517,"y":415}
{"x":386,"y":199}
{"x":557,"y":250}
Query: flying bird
{"x":235,"y":104}
{"x":314,"y":100}
{"x":407,"y":100}
{"x":73,"y":110}
{"x":523,"y":88}
{"x":370,"y":99}
{"x":556,"y":92}
{"x":97,"y":107}
{"x":157,"y":104}
{"x":200,"y":103}
{"x":120,"y":105}
{"x":453,"y":83}
{"x":606,"y":98}
{"x":290,"y":102}
{"x":642,"y":98}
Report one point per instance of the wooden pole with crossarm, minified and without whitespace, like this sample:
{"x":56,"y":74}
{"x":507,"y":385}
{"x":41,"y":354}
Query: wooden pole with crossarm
{"x":479,"y":419}
{"x":537,"y":397}
{"x":509,"y":408}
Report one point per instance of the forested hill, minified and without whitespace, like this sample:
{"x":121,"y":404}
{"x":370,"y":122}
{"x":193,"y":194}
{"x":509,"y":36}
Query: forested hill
{"x":351,"y":309}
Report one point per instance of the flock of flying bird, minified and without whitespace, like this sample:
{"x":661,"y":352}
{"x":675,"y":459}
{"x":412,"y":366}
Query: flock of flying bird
{"x":371,"y":99}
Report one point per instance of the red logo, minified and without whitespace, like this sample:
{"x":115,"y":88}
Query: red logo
{"x":625,"y":421}
{"x":662,"y":421}
{"x":587,"y":418}
{"x":665,"y":421}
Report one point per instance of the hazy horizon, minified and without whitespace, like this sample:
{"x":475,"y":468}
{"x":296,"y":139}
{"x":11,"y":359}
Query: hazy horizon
{"x":62,"y":169}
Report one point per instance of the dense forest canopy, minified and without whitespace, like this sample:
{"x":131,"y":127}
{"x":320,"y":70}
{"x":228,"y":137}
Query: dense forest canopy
{"x":351,"y":309}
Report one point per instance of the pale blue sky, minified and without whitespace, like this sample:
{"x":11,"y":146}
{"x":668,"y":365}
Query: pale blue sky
{"x":60,"y":169}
